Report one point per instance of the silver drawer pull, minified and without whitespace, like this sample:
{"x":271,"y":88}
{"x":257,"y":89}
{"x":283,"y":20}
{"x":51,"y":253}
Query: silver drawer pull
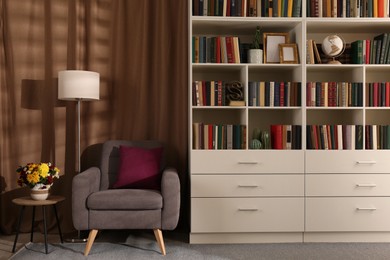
{"x":365,"y":162}
{"x":364,"y":185}
{"x":248,"y":209}
{"x":248,"y":185}
{"x":243,"y":162}
{"x":370,"y":209}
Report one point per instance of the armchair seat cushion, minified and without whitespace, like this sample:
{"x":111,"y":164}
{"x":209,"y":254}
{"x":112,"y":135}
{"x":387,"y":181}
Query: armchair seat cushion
{"x":125,"y":199}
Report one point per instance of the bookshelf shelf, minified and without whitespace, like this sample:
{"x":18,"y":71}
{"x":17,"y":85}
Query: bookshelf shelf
{"x":355,"y":138}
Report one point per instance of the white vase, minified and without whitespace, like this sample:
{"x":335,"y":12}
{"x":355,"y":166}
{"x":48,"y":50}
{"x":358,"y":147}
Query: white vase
{"x":255,"y":56}
{"x":40,"y":192}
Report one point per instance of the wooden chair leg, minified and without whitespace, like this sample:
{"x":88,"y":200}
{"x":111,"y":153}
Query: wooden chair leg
{"x":91,"y":239}
{"x":160,"y":240}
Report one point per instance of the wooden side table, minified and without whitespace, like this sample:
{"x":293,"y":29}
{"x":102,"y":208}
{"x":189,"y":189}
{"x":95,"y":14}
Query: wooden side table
{"x":28,"y":201}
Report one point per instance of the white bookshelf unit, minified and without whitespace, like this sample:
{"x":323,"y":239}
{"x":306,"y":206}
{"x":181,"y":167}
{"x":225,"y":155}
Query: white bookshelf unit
{"x":247,"y":195}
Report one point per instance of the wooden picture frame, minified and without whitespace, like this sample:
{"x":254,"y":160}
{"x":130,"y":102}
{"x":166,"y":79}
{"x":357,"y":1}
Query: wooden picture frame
{"x":271,"y":43}
{"x":288,"y":53}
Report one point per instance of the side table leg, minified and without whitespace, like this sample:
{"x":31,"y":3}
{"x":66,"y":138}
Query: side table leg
{"x":18,"y":228}
{"x":32,"y":224}
{"x":44,"y":226}
{"x":58,"y":222}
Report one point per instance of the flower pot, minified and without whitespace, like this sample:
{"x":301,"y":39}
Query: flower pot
{"x":40,"y":192}
{"x":255,"y":56}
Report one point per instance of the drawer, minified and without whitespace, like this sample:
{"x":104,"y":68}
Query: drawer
{"x":247,"y":185}
{"x":247,"y":214}
{"x":348,"y":185}
{"x":347,"y":161}
{"x":248,"y":161}
{"x":348,"y":214}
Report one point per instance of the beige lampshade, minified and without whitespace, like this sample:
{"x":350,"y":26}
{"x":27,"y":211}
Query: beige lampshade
{"x":78,"y":85}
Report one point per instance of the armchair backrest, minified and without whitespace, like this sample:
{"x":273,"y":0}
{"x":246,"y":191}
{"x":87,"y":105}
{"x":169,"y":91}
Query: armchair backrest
{"x":110,"y":159}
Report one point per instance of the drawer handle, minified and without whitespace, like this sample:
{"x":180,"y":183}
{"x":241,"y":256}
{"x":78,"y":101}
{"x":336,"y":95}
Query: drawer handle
{"x":365,"y":162}
{"x":248,"y":209}
{"x":248,"y":185}
{"x":370,"y":209}
{"x":369,"y":185}
{"x":243,"y":162}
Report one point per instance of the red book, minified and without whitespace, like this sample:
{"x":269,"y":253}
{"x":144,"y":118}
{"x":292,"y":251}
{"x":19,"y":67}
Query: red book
{"x":387,"y":97}
{"x":211,"y":137}
{"x":227,"y":8}
{"x":381,"y":8}
{"x":368,"y":46}
{"x":277,"y":136}
{"x":375,"y":94}
{"x":315,"y":136}
{"x":218,"y":49}
{"x":281,"y":94}
{"x":230,"y":49}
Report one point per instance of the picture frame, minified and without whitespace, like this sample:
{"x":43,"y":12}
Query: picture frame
{"x":288,"y":53}
{"x":271,"y":43}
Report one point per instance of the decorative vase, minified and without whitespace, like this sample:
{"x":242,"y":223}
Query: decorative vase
{"x":40,"y":192}
{"x":255,"y":56}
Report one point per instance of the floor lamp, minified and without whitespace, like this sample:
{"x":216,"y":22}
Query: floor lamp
{"x":78,"y":85}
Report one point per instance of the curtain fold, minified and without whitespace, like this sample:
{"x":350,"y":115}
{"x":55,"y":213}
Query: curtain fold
{"x":140,"y":50}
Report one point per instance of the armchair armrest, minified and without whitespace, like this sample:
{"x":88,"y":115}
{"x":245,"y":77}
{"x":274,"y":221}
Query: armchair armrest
{"x":170,"y":190}
{"x":83,"y":184}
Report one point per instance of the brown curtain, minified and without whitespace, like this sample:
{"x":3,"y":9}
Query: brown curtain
{"x":140,"y":50}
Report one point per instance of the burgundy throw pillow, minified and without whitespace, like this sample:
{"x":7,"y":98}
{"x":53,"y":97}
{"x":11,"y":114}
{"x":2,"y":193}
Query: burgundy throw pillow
{"x":139,"y":168}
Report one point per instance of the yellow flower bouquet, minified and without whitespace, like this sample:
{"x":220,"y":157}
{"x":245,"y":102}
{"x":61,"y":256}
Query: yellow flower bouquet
{"x":37,"y":174}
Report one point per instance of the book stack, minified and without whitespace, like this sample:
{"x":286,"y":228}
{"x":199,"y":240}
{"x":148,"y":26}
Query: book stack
{"x":372,"y":51}
{"x":274,"y":94}
{"x":378,"y":94}
{"x":249,"y":8}
{"x":334,"y":137}
{"x":377,"y":137}
{"x":334,"y":94}
{"x":219,"y":49}
{"x":286,"y":137}
{"x":348,"y":8}
{"x":215,"y":93}
{"x":221,"y":136}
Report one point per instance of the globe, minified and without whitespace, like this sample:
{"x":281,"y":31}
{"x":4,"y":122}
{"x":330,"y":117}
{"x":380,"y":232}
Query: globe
{"x":333,"y":46}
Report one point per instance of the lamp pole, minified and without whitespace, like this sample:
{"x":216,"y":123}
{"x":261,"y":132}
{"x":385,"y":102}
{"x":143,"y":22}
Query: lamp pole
{"x":78,"y":135}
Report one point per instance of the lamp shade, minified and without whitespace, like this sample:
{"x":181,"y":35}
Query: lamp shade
{"x":78,"y":85}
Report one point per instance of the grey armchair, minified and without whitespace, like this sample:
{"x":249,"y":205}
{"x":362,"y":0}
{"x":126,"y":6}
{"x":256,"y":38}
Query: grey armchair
{"x":96,"y":205}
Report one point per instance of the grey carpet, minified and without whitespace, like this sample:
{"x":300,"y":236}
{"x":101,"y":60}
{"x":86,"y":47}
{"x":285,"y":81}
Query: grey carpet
{"x":145,"y":247}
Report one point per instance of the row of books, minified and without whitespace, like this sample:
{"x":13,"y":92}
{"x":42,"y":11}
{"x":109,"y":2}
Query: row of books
{"x":318,"y":137}
{"x":274,"y":94}
{"x":378,"y":94}
{"x":348,"y":8}
{"x":247,"y":8}
{"x":334,"y":137}
{"x":221,"y":136}
{"x":216,"y":93}
{"x":286,"y":137}
{"x":377,"y":137}
{"x":220,"y":49}
{"x":334,"y":94}
{"x":372,"y":51}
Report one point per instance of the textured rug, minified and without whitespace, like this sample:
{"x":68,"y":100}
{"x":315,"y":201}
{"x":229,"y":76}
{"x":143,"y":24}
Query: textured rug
{"x":145,"y":247}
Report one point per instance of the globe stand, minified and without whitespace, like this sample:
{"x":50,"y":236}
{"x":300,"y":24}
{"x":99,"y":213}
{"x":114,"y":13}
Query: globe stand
{"x":333,"y":61}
